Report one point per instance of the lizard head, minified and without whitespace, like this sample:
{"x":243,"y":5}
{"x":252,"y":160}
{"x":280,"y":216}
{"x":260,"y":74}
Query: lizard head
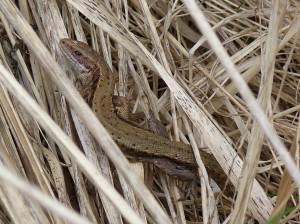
{"x":81,"y":56}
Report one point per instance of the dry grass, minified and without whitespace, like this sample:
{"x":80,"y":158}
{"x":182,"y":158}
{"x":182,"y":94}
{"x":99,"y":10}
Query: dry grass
{"x":204,"y":101}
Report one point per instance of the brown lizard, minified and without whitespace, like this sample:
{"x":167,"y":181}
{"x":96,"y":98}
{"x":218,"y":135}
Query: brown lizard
{"x":96,"y":84}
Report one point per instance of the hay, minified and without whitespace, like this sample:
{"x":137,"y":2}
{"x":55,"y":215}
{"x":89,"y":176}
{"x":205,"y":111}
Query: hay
{"x":199,"y":102}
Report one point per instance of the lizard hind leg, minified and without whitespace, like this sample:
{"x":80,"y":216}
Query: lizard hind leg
{"x":191,"y":190}
{"x":178,"y":172}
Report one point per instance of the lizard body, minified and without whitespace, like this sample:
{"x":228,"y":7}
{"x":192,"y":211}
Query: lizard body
{"x":97,"y":87}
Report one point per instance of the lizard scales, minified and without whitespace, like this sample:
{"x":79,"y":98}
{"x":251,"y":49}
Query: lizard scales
{"x":97,"y":87}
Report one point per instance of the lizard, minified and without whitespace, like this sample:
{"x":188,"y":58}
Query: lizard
{"x":96,"y":82}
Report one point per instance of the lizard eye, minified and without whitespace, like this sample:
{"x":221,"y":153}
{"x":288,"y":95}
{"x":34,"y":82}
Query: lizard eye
{"x":78,"y":53}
